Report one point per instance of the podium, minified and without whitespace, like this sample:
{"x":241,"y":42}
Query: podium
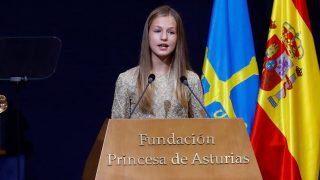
{"x":22,"y":59}
{"x":172,"y":149}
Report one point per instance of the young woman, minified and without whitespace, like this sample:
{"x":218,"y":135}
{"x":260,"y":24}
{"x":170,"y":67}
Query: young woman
{"x":164,"y":54}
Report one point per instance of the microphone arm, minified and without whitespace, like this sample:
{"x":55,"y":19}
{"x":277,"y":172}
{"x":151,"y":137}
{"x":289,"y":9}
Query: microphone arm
{"x":184,"y":81}
{"x":151,"y":78}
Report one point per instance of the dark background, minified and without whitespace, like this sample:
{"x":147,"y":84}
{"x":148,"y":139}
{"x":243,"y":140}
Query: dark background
{"x":62,"y":115}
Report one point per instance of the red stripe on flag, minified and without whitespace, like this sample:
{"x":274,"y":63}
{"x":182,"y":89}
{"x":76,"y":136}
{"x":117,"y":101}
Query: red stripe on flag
{"x":271,"y":149}
{"x":301,"y":7}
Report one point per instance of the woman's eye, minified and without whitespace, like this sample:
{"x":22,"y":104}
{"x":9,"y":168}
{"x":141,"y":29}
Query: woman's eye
{"x":157,"y":30}
{"x":172,"y":32}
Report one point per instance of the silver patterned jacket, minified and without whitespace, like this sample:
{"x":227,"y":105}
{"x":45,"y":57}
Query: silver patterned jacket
{"x":165,"y":104}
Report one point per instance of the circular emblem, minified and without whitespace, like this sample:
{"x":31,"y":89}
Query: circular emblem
{"x":270,"y":64}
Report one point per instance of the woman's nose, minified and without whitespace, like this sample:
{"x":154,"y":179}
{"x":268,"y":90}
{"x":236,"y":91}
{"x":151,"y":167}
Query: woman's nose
{"x":164,"y":36}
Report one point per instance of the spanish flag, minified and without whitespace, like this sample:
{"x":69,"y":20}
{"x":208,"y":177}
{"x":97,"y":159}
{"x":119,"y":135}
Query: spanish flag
{"x":230,"y":73}
{"x":286,"y":129}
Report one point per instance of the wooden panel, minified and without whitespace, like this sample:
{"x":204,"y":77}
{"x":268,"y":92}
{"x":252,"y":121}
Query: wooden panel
{"x":228,"y":154}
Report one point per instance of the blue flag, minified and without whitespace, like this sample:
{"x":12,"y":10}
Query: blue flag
{"x":230,"y":73}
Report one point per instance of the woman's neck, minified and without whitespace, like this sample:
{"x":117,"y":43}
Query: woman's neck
{"x":160,"y":66}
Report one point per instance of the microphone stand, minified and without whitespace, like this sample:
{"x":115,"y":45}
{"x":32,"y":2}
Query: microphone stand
{"x":184,"y":81}
{"x":150,"y":80}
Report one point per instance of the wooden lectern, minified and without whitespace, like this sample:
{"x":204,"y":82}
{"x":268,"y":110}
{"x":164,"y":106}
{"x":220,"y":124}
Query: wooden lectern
{"x":172,"y":149}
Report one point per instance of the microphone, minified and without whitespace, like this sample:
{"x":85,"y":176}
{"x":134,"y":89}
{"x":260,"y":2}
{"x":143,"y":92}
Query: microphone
{"x":151,"y":78}
{"x":184,"y":81}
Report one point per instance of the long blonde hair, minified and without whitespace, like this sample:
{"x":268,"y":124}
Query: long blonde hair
{"x":179,"y":62}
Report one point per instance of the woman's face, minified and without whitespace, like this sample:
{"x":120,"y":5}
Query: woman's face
{"x":163,"y":36}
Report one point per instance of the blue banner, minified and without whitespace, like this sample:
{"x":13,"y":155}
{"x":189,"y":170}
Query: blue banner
{"x":230,"y":73}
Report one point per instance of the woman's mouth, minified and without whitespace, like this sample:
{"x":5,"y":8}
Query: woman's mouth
{"x":163,"y":46}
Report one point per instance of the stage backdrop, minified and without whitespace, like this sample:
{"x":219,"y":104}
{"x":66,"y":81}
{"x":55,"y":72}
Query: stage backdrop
{"x":61,"y":116}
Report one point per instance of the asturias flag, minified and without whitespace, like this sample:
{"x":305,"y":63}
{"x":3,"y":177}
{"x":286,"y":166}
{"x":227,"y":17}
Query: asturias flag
{"x":230,"y":74}
{"x":286,"y":131}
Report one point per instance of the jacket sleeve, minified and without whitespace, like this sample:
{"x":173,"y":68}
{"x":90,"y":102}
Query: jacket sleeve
{"x":121,"y":101}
